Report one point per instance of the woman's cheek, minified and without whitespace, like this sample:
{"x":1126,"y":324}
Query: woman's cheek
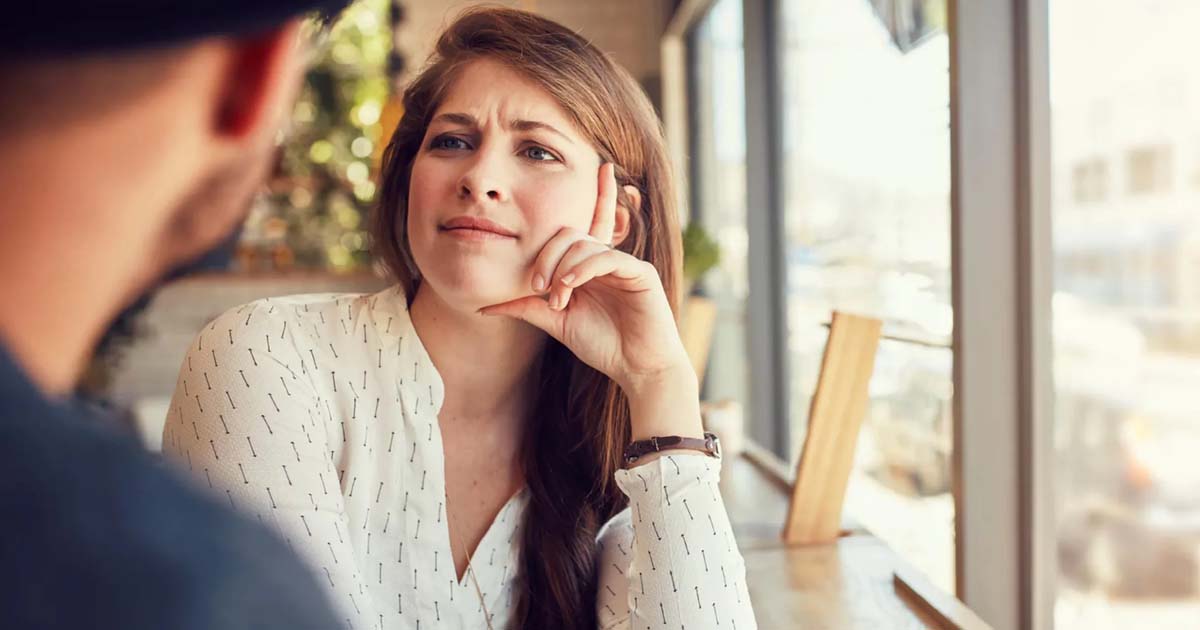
{"x":554,"y":203}
{"x":421,"y":186}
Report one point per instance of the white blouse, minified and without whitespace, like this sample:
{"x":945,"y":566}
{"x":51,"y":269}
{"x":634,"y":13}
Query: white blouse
{"x":318,"y":414}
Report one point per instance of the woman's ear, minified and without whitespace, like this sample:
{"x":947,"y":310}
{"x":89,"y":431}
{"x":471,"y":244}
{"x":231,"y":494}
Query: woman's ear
{"x":624,"y":217}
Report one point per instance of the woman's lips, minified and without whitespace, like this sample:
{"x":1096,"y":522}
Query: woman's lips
{"x":468,"y":228}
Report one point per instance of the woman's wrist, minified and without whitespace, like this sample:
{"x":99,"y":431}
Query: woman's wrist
{"x":665,"y":403}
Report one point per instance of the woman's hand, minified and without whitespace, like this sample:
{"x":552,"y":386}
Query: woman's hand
{"x":608,"y":307}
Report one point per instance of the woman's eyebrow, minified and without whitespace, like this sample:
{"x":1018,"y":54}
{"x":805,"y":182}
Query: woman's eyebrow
{"x":456,"y":118}
{"x":467,"y":120}
{"x":533,"y":125}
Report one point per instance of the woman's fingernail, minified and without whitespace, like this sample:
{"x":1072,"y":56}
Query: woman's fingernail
{"x":568,"y":279}
{"x":539,"y":282}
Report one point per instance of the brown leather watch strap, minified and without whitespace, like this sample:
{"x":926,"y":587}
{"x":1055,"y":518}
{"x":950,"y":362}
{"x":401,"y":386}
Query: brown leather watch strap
{"x":636,"y":450}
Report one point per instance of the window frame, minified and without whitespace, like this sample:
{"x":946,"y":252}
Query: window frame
{"x":766,"y":319}
{"x":1001,"y":274}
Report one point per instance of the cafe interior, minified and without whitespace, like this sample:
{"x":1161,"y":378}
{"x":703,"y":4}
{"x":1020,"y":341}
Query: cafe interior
{"x":938,"y":290}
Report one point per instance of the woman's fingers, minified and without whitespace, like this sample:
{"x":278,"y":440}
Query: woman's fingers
{"x":569,"y":247}
{"x":532,"y":310}
{"x":548,"y":259}
{"x":560,"y":291}
{"x":604,"y":219}
{"x":609,"y":263}
{"x":637,"y":274}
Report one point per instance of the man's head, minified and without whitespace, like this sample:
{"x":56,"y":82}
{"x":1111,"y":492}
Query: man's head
{"x":135,"y":138}
{"x":198,"y":117}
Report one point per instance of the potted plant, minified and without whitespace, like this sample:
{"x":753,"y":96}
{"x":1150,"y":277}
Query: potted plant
{"x":698,"y":314}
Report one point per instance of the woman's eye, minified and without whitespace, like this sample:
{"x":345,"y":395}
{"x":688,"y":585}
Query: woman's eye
{"x":448,"y":142}
{"x":539,"y":154}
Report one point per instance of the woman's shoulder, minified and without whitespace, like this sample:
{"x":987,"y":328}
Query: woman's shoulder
{"x":277,"y":309}
{"x":283,"y":317}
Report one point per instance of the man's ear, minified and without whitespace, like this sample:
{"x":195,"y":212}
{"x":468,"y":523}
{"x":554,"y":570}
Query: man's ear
{"x":260,"y":82}
{"x":624,"y":217}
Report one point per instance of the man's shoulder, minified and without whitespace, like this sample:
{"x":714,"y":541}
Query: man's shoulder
{"x":98,"y":532}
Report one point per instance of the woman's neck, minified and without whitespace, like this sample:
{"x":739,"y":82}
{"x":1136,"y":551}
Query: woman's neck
{"x":486,"y":363}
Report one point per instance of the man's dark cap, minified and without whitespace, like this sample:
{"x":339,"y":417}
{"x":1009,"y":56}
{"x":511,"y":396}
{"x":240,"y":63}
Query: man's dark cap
{"x":37,"y":28}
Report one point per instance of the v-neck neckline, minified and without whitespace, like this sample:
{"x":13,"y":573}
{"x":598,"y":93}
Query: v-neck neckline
{"x":484,"y":542}
{"x":437,"y":393}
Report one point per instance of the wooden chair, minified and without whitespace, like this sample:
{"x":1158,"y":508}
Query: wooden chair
{"x":835,"y":417}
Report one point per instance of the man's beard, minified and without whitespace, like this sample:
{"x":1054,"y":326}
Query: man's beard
{"x":124,"y":326}
{"x":93,"y":391}
{"x":231,"y":187}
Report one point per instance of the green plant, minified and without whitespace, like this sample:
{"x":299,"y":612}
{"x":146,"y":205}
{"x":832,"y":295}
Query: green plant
{"x":324,"y":186}
{"x":700,"y":252}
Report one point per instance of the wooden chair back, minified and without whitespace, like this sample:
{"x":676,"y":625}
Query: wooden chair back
{"x":835,"y":417}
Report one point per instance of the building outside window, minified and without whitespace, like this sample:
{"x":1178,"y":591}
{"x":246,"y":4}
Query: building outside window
{"x":1127,"y":323}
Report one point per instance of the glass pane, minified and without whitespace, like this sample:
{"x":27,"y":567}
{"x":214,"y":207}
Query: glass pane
{"x":1125,"y":98}
{"x":719,"y":186}
{"x":901,"y":490}
{"x":866,"y":134}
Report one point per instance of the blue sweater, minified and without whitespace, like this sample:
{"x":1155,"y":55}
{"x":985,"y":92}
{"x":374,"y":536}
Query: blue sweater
{"x":91,"y":528}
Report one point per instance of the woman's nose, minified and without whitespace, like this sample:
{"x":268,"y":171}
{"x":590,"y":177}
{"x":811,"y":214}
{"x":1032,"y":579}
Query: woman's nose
{"x":483,"y":182}
{"x":468,"y":191}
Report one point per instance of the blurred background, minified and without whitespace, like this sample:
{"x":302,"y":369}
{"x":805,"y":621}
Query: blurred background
{"x":861,"y":189}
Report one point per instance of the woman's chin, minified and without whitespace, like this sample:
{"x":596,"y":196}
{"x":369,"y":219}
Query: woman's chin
{"x":470,"y":294}
{"x":469,"y":283}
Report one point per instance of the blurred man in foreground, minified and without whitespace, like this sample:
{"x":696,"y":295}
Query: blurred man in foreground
{"x":133,"y":137}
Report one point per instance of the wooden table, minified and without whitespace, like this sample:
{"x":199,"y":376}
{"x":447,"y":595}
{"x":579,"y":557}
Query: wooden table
{"x":848,"y":585}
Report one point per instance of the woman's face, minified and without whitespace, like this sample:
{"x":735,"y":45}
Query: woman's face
{"x":501,"y":170}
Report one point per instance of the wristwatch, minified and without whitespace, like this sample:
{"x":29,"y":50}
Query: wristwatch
{"x":710,"y":445}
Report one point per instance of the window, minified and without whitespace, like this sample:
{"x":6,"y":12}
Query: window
{"x":1149,"y":170}
{"x":1090,"y":181}
{"x":719,"y":188}
{"x":1195,"y":166}
{"x":1126,"y":323}
{"x":866,"y":196}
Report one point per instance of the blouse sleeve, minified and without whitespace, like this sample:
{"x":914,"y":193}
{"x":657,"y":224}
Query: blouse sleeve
{"x":669,"y":559}
{"x":246,"y":420}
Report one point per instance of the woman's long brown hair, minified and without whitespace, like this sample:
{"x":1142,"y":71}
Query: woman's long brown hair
{"x":579,"y":424}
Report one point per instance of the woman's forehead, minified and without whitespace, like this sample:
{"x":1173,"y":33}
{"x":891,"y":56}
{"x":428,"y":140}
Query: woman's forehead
{"x":491,"y":92}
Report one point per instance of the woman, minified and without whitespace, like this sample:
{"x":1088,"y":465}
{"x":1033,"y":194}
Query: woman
{"x":447,"y":453}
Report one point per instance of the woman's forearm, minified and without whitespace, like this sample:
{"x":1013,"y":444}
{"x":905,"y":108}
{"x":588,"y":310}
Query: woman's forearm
{"x":665,"y":404}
